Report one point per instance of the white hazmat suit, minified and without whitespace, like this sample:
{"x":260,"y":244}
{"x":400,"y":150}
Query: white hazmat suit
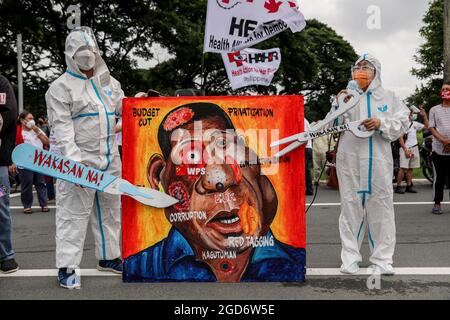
{"x":82,"y":114}
{"x":365,"y":172}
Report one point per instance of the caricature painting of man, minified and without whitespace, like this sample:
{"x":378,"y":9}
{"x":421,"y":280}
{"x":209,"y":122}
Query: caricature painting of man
{"x":223,"y":227}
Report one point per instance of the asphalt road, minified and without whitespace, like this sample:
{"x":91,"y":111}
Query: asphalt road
{"x":423,"y":241}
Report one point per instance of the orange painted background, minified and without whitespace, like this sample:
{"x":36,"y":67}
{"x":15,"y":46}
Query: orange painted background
{"x":144,"y":226}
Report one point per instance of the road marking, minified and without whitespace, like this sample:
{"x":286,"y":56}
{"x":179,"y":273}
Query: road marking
{"x":15,"y":195}
{"x":37,"y":208}
{"x":330,"y":204}
{"x":398,"y":272}
{"x":54,"y":273}
{"x":30,"y":273}
{"x":335,"y":204}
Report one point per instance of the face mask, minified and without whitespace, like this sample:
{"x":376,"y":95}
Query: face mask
{"x":445,"y":94}
{"x":85,"y":60}
{"x":363,"y":78}
{"x":30,"y":124}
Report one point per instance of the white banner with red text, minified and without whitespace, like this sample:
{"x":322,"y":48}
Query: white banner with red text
{"x":232,"y":25}
{"x":251,"y":66}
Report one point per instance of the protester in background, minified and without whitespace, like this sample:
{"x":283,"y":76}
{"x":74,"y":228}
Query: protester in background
{"x":308,"y":166}
{"x":82,"y":105}
{"x":321,"y":146}
{"x":8,"y":113}
{"x":364,"y":168}
{"x":53,"y":144}
{"x":440,"y":128}
{"x":29,"y":133}
{"x":409,"y":153}
{"x":43,"y":125}
{"x":50,"y":184}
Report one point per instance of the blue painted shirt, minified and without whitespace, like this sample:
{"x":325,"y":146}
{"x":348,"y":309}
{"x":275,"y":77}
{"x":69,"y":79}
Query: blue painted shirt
{"x":173,"y":260}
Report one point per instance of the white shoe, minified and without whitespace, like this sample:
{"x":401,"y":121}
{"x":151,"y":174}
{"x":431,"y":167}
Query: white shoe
{"x":388,"y":270}
{"x":352,"y":269}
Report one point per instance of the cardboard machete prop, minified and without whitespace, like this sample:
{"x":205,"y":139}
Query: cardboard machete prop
{"x":59,"y":167}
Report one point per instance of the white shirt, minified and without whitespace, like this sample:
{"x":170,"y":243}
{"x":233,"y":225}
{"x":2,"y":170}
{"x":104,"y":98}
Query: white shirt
{"x":411,"y":141}
{"x":307,"y":128}
{"x":440,"y":120}
{"x":31,"y":137}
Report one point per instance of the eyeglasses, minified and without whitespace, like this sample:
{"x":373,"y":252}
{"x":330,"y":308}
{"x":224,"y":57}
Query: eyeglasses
{"x":362,"y":68}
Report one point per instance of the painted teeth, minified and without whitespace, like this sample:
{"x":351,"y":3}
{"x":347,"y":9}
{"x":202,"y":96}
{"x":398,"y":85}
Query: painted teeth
{"x":229,"y":221}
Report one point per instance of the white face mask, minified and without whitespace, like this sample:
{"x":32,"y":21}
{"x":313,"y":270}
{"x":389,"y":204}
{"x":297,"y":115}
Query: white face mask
{"x":85,"y":60}
{"x":31,"y":124}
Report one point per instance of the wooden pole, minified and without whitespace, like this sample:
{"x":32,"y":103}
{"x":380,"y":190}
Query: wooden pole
{"x":447,"y":40}
{"x":20,"y":71}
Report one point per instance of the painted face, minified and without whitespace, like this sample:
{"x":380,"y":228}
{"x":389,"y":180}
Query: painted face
{"x":220,"y":202}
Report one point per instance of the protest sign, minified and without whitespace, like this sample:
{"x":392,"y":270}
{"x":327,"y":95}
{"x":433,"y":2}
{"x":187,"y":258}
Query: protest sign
{"x":241,"y":212}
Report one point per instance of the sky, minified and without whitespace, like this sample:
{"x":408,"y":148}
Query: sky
{"x":394,"y":44}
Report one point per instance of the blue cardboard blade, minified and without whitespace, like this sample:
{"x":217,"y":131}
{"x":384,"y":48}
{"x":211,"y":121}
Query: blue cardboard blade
{"x":38,"y":160}
{"x":49,"y":164}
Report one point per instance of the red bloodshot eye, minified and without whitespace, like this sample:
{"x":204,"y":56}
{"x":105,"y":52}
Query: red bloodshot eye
{"x":192,"y":153}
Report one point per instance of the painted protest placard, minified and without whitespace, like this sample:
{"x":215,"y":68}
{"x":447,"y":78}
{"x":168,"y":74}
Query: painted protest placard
{"x":241,"y":214}
{"x":251,"y":67}
{"x":233,"y":25}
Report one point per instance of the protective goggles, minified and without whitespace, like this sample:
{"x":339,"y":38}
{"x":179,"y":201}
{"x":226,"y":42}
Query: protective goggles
{"x":362,"y":68}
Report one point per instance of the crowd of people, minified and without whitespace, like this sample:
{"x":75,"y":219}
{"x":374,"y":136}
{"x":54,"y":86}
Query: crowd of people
{"x":84,"y":103}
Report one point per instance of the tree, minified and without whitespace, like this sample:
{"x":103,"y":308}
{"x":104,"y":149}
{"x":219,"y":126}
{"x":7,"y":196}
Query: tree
{"x":123,"y":30}
{"x":430,"y":57}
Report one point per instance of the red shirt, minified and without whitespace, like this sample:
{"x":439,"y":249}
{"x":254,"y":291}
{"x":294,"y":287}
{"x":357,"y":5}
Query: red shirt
{"x":19,"y":136}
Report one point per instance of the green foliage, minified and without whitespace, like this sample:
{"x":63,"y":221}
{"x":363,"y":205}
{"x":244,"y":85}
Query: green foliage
{"x":430,"y":56}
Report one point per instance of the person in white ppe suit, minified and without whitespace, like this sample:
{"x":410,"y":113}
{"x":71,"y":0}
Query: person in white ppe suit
{"x":82,"y":105}
{"x":365,"y":171}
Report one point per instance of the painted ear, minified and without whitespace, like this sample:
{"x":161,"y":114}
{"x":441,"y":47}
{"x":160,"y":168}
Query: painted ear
{"x":270,"y":200}
{"x":154,"y":168}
